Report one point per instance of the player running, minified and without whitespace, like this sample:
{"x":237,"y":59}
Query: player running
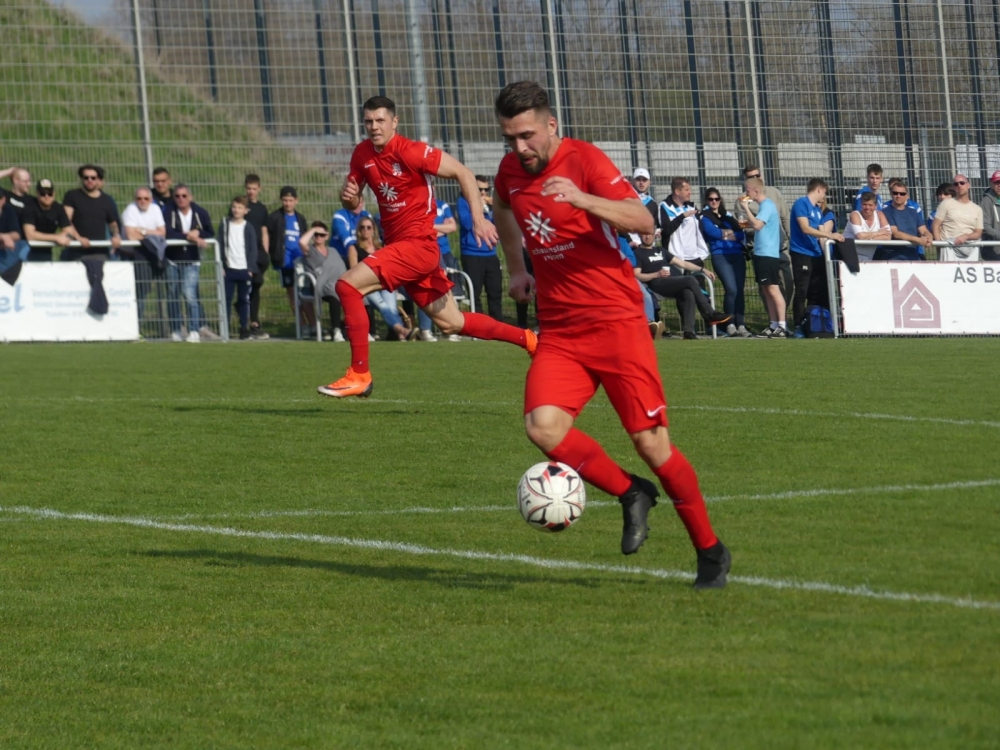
{"x":398,"y":170}
{"x":567,"y":200}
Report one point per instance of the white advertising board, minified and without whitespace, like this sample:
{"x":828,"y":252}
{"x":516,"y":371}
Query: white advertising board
{"x":49,"y":303}
{"x":921,"y":298}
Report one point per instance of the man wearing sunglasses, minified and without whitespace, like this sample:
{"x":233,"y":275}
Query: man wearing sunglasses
{"x":959,"y":222}
{"x":93,"y":214}
{"x":45,"y":220}
{"x":907,"y":224}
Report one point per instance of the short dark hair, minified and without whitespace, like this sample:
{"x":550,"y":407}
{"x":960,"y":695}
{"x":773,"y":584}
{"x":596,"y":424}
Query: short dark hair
{"x":868,"y":197}
{"x":182,"y":186}
{"x":319,"y":225}
{"x":380,"y":102}
{"x":288,"y":190}
{"x":817,"y":182}
{"x":750,"y":168}
{"x":161,"y":170}
{"x":677,"y":183}
{"x":85,"y":167}
{"x":251,"y":179}
{"x":945,"y":188}
{"x":482,"y":178}
{"x":873,"y":169}
{"x":519,"y":97}
{"x":242,"y":200}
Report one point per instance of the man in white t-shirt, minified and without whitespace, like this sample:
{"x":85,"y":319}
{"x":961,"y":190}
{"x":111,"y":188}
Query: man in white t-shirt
{"x":959,"y":221}
{"x":142,"y":218}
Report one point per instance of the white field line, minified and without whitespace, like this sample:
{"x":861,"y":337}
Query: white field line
{"x":791,"y":494}
{"x":538,"y":562}
{"x":992,"y":424}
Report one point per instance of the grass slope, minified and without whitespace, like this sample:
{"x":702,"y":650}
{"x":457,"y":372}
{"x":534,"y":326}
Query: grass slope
{"x":122,"y":636}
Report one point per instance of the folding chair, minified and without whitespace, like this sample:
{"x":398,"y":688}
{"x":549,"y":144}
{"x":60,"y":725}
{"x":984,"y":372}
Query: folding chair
{"x":462,"y":291}
{"x":305,"y":291}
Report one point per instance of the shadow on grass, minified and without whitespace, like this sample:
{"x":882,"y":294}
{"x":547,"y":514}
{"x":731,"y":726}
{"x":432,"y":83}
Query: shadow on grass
{"x":235,"y":409}
{"x":447,"y":578}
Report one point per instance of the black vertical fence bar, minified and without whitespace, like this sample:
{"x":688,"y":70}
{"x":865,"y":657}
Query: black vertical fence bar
{"x":454,"y":81}
{"x":321,"y":62}
{"x":210,"y":44}
{"x":904,"y":94}
{"x":156,"y":27}
{"x":640,"y":71}
{"x":996,"y":31}
{"x":379,"y":58}
{"x":439,"y":69}
{"x":550,"y":62}
{"x":831,"y":101}
{"x":265,"y":65}
{"x":734,"y":91}
{"x":699,"y":135}
{"x":563,"y":69}
{"x":498,"y":44}
{"x":357,"y":55}
{"x":977,"y":98}
{"x":757,"y":45}
{"x":633,"y":130}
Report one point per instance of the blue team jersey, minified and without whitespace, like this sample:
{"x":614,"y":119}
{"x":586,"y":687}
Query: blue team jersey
{"x":443,"y":213}
{"x":767,"y":240}
{"x":292,"y":233}
{"x":467,"y":239}
{"x":907,"y":221}
{"x":799,"y":241}
{"x":344,"y":229}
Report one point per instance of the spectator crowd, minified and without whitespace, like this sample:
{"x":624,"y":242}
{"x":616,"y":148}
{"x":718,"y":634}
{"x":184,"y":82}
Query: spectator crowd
{"x":694,"y":244}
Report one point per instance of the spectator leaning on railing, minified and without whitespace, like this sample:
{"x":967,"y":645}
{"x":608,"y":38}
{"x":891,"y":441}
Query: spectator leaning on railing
{"x":93,"y":214}
{"x":990,"y":204}
{"x":958,"y":222}
{"x":808,"y":267}
{"x":868,"y":224}
{"x":186,"y":220}
{"x":18,"y":197}
{"x":46,"y":221}
{"x":907,"y":225}
{"x":141,"y":219}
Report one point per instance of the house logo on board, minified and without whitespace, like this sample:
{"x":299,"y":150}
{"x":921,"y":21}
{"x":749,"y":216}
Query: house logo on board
{"x":913,"y":304}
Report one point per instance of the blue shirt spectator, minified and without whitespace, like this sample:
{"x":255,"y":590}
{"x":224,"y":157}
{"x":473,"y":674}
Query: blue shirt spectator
{"x":344,"y":225}
{"x":467,"y":239}
{"x":443,"y":214}
{"x":767,"y":241}
{"x":799,"y":241}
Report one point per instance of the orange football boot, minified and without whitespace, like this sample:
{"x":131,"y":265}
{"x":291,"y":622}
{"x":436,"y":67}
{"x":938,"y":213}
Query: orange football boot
{"x":352,"y":384}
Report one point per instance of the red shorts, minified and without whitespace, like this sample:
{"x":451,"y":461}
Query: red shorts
{"x":414,"y":265}
{"x":619,"y":355}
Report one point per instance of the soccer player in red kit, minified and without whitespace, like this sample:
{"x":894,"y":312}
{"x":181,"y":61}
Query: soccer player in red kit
{"x":568,"y":201}
{"x":398,"y":170}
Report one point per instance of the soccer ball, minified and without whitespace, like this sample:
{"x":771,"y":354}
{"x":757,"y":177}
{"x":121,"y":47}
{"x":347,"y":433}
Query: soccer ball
{"x":551,"y":496}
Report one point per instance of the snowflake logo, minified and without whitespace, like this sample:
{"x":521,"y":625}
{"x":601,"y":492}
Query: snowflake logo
{"x":540,"y":228}
{"x":387,"y":191}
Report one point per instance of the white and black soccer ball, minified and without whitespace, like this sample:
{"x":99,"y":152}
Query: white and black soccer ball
{"x":551,"y":496}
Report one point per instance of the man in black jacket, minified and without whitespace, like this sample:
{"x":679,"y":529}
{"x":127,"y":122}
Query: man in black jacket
{"x":186,"y":220}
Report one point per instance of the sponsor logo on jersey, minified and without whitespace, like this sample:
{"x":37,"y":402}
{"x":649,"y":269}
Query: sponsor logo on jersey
{"x":540,"y":228}
{"x":397,"y":171}
{"x":388,"y":192}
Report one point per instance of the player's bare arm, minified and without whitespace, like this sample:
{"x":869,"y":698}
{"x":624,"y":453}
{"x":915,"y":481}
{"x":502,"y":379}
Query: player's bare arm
{"x":522,"y":284}
{"x":624,"y":215}
{"x":452,"y":169}
{"x":350,"y":194}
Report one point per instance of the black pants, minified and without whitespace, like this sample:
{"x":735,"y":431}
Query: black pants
{"x":688,"y":294}
{"x":334,"y":304}
{"x":485,"y":271}
{"x":809,"y":273}
{"x":256,"y":282}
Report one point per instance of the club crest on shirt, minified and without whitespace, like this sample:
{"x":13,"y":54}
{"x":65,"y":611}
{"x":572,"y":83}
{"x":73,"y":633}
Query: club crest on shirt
{"x":540,"y":228}
{"x":388,"y":192}
{"x":397,"y":171}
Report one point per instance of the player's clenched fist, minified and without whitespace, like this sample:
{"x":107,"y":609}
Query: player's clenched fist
{"x":350,"y":193}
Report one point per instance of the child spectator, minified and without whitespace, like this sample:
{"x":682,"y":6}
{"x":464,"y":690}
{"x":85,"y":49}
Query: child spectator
{"x":238,"y":248}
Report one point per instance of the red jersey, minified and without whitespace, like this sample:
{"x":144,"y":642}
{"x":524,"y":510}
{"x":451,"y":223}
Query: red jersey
{"x":581,"y":276}
{"x":399,"y":175}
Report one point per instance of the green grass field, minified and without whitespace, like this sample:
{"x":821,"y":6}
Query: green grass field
{"x":198,"y":551}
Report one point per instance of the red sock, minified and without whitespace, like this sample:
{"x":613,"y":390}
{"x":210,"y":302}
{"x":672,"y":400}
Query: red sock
{"x":584,"y":454}
{"x":481,"y":326}
{"x":355,"y":324}
{"x":681,"y":484}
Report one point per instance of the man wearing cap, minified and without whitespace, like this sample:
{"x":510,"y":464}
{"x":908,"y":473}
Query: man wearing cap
{"x":45,"y":220}
{"x":991,"y":218}
{"x":284,"y":228}
{"x":640,"y":181}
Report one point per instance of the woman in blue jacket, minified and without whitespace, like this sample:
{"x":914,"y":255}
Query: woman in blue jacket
{"x":725,"y":241}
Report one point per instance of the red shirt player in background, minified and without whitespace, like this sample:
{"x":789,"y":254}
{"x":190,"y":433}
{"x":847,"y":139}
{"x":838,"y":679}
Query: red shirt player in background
{"x":568,"y":201}
{"x":398,"y":170}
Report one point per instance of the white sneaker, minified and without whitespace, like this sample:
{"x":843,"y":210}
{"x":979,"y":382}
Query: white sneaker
{"x":731,"y":330}
{"x":742,"y":332}
{"x":454,"y":337}
{"x":207,"y":334}
{"x":425,"y":335}
{"x":370,"y":337}
{"x":193,"y":337}
{"x":176,"y":336}
{"x":338,"y":336}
